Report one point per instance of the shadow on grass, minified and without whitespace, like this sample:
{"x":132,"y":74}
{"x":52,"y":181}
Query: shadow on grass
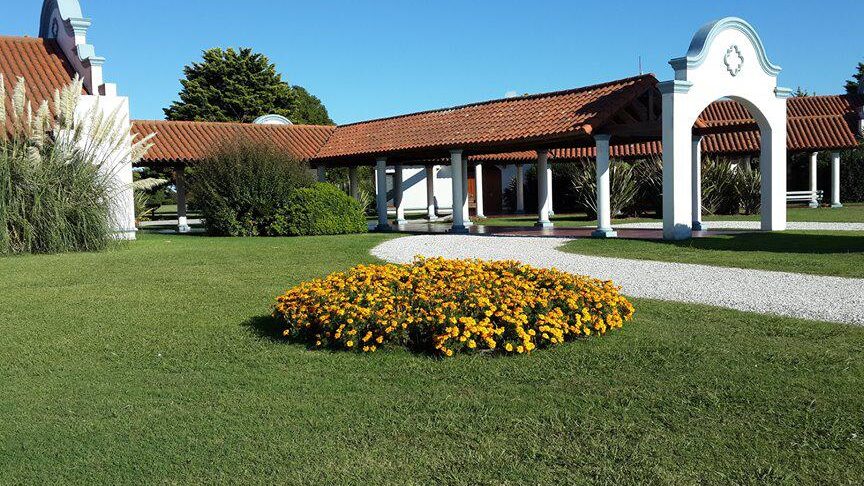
{"x":777,"y":243}
{"x":267,"y":327}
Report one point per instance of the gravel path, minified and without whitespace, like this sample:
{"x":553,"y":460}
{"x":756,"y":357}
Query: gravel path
{"x":808,"y":296}
{"x":755,"y":225}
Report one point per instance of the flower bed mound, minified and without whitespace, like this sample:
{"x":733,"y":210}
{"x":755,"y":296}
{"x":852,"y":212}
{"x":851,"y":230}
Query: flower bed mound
{"x":450,"y":306}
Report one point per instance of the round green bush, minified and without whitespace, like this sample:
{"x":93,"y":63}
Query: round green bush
{"x":322,"y":209}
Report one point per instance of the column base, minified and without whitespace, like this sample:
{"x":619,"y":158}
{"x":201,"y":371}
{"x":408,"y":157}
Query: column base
{"x":836,"y":205}
{"x":400,"y":222}
{"x":458,"y":230}
{"x":813,"y":204}
{"x":699,"y":226}
{"x":383,"y":228}
{"x":183,"y":229}
{"x":604,"y":233}
{"x":544,"y":224}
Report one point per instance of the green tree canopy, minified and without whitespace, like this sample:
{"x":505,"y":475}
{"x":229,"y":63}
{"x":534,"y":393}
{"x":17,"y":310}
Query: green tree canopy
{"x":241,"y":85}
{"x":857,"y":80}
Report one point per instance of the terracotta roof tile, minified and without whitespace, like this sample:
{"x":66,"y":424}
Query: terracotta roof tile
{"x":40,"y":62}
{"x":182,"y":141}
{"x":558,"y":115}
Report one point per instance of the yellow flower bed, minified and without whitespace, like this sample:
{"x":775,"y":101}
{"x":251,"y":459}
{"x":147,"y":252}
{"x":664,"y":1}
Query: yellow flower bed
{"x":450,"y":306}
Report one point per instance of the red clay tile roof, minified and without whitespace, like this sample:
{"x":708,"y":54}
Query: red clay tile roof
{"x":40,"y":62}
{"x":814,"y":123}
{"x":562,"y":115}
{"x":183,"y":142}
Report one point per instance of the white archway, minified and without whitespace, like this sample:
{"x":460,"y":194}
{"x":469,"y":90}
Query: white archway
{"x":726,"y":59}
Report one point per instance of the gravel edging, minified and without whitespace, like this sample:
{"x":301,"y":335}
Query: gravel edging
{"x":814,"y":297}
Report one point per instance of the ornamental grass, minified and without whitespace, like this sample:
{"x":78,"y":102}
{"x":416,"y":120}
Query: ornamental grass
{"x":450,"y":306}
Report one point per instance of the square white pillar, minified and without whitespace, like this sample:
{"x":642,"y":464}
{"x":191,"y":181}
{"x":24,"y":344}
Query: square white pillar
{"x":835,"y":180}
{"x":459,"y":199}
{"x":322,"y":174}
{"x":381,"y":194}
{"x":604,"y":184}
{"x":549,"y":189}
{"x":353,"y":184}
{"x":772,"y":161}
{"x":520,"y":189}
{"x":478,"y":189}
{"x":544,"y":202}
{"x":814,"y":185}
{"x":431,"y":175}
{"x":677,"y":165}
{"x":398,"y":195}
{"x":180,"y":185}
{"x":697,"y":185}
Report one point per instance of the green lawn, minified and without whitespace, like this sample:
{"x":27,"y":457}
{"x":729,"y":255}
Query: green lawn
{"x":154,"y":363}
{"x":838,"y":253}
{"x":850,"y":213}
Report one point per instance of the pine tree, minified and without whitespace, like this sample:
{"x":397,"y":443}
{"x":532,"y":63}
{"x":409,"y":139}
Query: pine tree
{"x":857,"y":81}
{"x":241,"y":85}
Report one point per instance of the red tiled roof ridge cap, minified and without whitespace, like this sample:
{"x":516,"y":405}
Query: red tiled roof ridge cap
{"x":230,"y":124}
{"x":548,"y":94}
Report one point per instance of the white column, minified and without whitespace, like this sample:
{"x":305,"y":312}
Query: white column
{"x":772,"y":161}
{"x":549,"y":189}
{"x":814,"y":158}
{"x":677,"y":164}
{"x":381,"y":193}
{"x":431,"y":175}
{"x":520,"y":189}
{"x":456,"y":164}
{"x":353,"y":185}
{"x":697,"y":185}
{"x":398,"y":193}
{"x":835,"y":180}
{"x":180,"y":185}
{"x":478,"y":189}
{"x":322,"y":174}
{"x":604,"y":205}
{"x":466,"y":212}
{"x":544,"y":202}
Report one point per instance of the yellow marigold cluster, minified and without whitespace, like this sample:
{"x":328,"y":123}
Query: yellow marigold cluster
{"x":450,"y":306}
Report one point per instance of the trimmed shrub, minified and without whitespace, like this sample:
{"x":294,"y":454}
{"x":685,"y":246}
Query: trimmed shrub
{"x":446,"y":307}
{"x":322,"y":209}
{"x":243,"y":185}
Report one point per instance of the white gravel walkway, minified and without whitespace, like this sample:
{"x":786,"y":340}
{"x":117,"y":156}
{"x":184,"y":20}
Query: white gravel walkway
{"x":808,"y":296}
{"x":755,"y":225}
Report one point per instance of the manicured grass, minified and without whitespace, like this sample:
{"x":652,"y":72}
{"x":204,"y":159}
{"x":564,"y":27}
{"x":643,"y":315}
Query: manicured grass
{"x":838,"y":253}
{"x":156,"y":363}
{"x":850,"y":213}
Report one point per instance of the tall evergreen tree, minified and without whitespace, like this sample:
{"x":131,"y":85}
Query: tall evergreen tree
{"x":241,"y":85}
{"x":857,"y":81}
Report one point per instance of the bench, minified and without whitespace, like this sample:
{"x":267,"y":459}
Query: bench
{"x":804,"y":196}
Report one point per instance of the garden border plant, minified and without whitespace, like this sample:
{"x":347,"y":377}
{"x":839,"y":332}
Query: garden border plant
{"x":446,"y":307}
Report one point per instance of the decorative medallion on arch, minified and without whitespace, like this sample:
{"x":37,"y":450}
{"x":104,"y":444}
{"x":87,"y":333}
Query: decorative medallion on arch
{"x":726,"y":60}
{"x":733,"y":60}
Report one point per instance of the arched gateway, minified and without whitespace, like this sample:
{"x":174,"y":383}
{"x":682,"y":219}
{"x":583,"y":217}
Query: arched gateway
{"x":726,"y":60}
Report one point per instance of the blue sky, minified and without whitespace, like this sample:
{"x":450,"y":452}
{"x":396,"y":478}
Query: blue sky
{"x":373,"y":59}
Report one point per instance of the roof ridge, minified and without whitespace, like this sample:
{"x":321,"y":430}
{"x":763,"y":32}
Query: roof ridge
{"x":514,"y":99}
{"x":237,"y":124}
{"x":23,"y":38}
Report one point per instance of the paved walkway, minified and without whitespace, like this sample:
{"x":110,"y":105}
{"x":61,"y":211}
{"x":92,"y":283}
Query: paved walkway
{"x":807,"y":296}
{"x":755,"y":225}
